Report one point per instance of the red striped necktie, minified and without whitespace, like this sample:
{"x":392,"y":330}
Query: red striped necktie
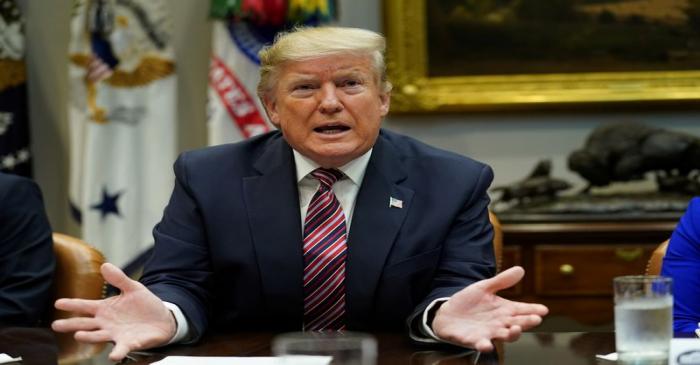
{"x":325,"y":244}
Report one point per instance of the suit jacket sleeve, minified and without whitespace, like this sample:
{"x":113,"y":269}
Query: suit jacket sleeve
{"x":26,"y":253}
{"x":682,"y":263}
{"x":467,"y":255}
{"x":179,"y":270}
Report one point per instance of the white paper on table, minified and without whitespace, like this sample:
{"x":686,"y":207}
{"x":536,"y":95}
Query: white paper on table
{"x":228,"y":360}
{"x":685,"y":348}
{"x":6,"y":359}
{"x":610,"y":357}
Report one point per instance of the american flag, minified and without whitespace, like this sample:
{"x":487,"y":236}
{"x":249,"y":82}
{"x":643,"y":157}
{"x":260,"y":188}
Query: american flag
{"x":98,"y":70}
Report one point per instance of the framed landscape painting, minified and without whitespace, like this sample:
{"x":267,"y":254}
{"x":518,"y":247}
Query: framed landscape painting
{"x":457,"y":55}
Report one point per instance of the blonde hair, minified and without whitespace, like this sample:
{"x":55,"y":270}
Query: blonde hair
{"x":303,"y":43}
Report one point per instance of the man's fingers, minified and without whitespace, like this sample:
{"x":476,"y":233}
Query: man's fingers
{"x":81,"y":306}
{"x":119,"y":351}
{"x":483,"y":345}
{"x":117,"y":278}
{"x":93,"y":336}
{"x":501,"y":334}
{"x":526,"y":321}
{"x":503,"y":280}
{"x":514,"y":333}
{"x":75,"y":324}
{"x":521,"y":308}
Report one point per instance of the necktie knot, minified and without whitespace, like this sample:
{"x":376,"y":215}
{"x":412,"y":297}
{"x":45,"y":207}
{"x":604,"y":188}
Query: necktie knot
{"x":327,"y":177}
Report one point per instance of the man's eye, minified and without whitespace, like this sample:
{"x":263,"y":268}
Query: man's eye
{"x":350,"y":83}
{"x":303,"y":87}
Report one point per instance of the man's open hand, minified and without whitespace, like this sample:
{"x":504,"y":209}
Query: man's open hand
{"x":135,"y":319}
{"x":475,"y":315}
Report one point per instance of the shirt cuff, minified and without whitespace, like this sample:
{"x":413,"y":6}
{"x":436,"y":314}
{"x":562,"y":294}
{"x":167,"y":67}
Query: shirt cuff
{"x":419,"y":324}
{"x":181,"y":322}
{"x":428,"y":315}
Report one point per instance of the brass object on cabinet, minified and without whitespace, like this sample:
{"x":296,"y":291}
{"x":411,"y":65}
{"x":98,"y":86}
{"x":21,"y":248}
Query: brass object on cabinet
{"x":566,"y":269}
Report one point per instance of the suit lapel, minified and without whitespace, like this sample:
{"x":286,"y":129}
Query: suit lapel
{"x":272,"y":202}
{"x":375,"y":225}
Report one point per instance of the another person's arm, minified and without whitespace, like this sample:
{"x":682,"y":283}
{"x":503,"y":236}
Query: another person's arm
{"x":682,"y":263}
{"x":26,"y":254}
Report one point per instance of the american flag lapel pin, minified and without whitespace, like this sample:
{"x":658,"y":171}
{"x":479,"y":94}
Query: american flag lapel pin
{"x":395,"y":203}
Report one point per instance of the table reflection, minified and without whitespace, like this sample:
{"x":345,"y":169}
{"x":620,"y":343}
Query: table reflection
{"x":34,"y":345}
{"x":42,"y":346}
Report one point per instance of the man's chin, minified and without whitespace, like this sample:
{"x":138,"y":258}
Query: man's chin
{"x":335,"y":158}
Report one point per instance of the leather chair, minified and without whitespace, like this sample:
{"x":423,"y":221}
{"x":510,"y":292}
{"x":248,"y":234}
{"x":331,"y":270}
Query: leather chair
{"x":497,"y":240}
{"x":656,"y":259}
{"x":77,"y":275}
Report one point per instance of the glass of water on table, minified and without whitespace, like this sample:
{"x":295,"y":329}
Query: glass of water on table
{"x":643,"y":319}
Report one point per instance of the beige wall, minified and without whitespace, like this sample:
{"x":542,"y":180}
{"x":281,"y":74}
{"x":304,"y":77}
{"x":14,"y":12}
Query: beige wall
{"x":47,"y":40}
{"x":510,"y":143}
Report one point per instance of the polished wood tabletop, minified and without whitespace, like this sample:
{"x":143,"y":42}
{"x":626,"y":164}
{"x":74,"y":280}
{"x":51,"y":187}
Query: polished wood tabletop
{"x":41,"y":346}
{"x":394,"y":348}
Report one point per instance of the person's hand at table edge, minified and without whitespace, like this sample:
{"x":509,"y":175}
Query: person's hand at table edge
{"x":475,"y":315}
{"x":134,"y":320}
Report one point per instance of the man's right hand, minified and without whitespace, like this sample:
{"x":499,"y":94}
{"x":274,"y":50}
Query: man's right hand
{"x":134,"y":320}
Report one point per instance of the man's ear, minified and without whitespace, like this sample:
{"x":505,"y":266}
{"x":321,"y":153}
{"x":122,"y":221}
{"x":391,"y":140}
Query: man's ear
{"x":271,"y":109}
{"x":385,"y":100}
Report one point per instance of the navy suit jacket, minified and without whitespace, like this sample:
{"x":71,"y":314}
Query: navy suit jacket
{"x":26,"y":254}
{"x":228,"y":250}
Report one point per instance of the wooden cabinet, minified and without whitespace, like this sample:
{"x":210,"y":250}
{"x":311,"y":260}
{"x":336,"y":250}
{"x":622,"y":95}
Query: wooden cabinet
{"x":570,"y":266}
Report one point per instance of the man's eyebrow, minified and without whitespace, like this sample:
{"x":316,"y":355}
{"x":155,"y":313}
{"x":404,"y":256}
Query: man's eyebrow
{"x":353,"y":72}
{"x":299,"y":77}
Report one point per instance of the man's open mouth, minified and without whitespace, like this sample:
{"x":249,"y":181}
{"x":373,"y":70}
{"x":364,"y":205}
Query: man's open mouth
{"x":331,"y":129}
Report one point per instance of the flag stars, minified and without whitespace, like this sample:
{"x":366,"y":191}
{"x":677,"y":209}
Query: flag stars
{"x":23,"y":155}
{"x":5,"y":122}
{"x":8,"y":162}
{"x":108,"y":205}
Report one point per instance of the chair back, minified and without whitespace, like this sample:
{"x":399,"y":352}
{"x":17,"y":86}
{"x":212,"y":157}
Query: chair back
{"x":497,"y":240}
{"x":656,"y":259}
{"x":77,"y":275}
{"x":77,"y":270}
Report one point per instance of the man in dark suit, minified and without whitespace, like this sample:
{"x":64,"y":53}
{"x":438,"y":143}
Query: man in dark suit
{"x":26,"y":253}
{"x":331,"y":223}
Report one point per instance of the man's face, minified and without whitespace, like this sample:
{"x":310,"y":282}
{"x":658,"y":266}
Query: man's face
{"x":329,"y":108}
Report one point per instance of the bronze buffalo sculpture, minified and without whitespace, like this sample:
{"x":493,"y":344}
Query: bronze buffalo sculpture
{"x":627,"y":151}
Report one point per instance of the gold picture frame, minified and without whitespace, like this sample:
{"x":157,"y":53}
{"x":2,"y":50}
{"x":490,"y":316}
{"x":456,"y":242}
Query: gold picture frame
{"x":416,"y":91}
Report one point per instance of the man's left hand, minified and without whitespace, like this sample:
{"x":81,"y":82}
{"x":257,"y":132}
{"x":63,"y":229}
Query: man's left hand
{"x":475,"y":315}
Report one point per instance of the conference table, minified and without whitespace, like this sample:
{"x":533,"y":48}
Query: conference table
{"x":42,"y":346}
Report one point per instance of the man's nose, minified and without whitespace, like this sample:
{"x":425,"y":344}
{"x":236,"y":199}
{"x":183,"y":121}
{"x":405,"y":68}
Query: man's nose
{"x":329,"y":100}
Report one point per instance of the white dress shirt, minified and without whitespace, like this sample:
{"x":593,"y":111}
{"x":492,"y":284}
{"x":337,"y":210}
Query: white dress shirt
{"x":345,"y":189}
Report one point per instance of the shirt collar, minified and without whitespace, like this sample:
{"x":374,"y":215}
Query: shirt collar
{"x":354,"y":170}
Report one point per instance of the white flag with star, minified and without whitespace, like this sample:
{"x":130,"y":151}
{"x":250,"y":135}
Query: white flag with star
{"x":122,"y":122}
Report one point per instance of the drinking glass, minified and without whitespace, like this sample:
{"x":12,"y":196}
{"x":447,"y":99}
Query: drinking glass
{"x":643,"y":318}
{"x":345,"y":348}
